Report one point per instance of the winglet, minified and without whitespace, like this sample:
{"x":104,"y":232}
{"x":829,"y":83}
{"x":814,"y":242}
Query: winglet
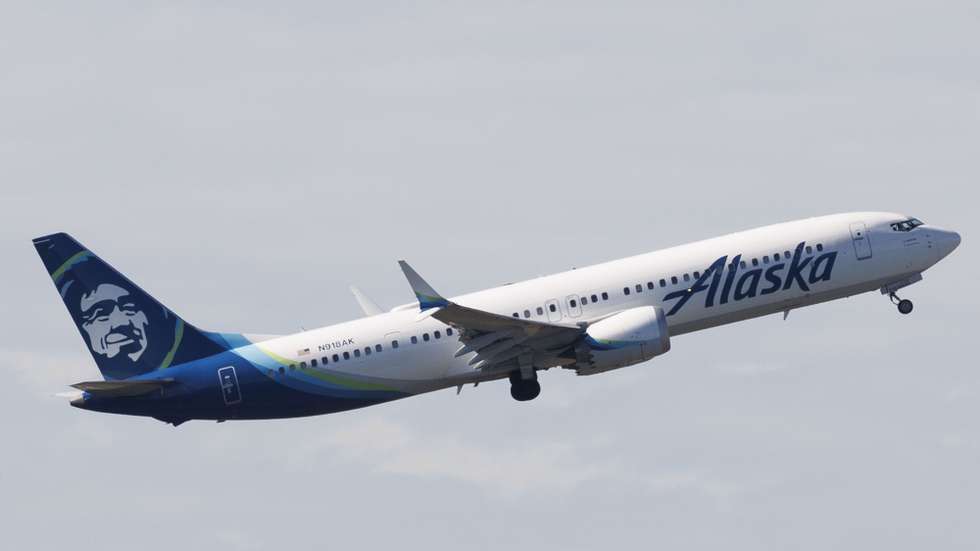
{"x":426,"y":295}
{"x":370,"y":307}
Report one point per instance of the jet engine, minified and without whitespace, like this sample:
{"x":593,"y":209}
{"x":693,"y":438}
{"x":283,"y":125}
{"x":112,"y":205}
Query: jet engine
{"x":629,"y":337}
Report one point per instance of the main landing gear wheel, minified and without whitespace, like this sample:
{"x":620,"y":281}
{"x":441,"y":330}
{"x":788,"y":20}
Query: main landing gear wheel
{"x":523,"y":390}
{"x":904,"y":305}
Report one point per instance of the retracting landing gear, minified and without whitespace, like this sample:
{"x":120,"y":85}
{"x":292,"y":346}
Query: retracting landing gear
{"x":904,"y":304}
{"x":522,"y":389}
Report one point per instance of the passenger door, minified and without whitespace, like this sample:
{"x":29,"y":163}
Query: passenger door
{"x":573,"y":306}
{"x":862,"y":242}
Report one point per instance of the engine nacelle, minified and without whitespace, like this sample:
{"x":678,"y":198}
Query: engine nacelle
{"x":626,"y":338}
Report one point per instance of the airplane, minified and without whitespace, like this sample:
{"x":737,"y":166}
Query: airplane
{"x":589,"y":320}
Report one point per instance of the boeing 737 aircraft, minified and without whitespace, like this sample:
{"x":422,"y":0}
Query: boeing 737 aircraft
{"x":589,"y":320}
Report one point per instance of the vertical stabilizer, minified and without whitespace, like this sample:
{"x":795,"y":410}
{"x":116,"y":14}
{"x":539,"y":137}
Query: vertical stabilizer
{"x":127,"y":331}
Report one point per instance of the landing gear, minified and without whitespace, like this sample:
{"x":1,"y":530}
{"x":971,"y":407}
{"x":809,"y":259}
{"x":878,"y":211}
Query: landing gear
{"x":904,"y":304}
{"x":522,"y":389}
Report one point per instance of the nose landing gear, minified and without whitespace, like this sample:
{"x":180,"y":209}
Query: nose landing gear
{"x":522,"y":389}
{"x":904,"y":304}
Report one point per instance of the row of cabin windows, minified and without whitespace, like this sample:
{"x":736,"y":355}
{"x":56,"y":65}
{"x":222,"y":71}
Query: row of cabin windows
{"x":674,"y":280}
{"x":573,"y":303}
{"x":367,"y":351}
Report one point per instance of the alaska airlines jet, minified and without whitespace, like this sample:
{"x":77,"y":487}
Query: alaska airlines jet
{"x":589,"y":320}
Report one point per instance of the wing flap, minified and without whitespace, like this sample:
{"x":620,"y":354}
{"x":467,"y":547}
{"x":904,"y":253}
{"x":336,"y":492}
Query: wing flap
{"x":495,"y":338}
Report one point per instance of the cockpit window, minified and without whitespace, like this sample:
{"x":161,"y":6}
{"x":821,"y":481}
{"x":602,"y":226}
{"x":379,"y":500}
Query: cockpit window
{"x":907,"y":225}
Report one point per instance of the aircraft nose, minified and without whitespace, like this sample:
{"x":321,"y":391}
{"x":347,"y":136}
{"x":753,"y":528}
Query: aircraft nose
{"x":946,"y":242}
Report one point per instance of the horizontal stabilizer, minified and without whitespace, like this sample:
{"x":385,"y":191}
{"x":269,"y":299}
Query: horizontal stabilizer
{"x":115,"y":389}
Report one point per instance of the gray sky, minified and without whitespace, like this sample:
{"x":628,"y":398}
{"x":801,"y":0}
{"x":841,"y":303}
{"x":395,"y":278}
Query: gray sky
{"x":245,"y":162}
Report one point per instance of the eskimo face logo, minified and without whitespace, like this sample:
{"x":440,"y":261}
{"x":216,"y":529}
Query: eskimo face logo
{"x":802,"y":272}
{"x":113,"y":322}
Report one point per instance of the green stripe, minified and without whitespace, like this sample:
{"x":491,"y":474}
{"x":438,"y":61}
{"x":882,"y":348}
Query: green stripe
{"x":178,"y":335}
{"x":77,"y":257}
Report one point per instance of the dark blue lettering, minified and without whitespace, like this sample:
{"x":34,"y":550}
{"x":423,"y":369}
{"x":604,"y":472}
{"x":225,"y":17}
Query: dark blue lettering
{"x":796,"y":269}
{"x":699,"y":285}
{"x":752,"y":276}
{"x":729,"y":279}
{"x":824,"y":262}
{"x":773,"y":278}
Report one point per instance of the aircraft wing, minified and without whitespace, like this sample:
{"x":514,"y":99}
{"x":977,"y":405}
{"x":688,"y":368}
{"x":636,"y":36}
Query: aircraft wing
{"x":498,"y":341}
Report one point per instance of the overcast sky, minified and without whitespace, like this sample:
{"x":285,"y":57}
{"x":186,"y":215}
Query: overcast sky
{"x":245,"y":162}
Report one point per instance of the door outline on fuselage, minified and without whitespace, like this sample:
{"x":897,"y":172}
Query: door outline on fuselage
{"x":553,"y":314}
{"x":576,"y":310}
{"x":861,"y":240}
{"x":231,"y":392}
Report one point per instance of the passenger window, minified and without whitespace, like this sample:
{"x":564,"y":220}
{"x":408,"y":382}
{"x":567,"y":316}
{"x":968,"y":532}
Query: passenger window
{"x":626,"y":290}
{"x":809,"y":249}
{"x":663,"y":282}
{"x":787,"y":255}
{"x":605,"y":296}
{"x":516,"y":315}
{"x":765,"y":259}
{"x":346,"y":355}
{"x":572,"y":303}
{"x":415,"y":340}
{"x":540,"y":311}
{"x":437,"y":334}
{"x":687,"y":277}
{"x":585,"y":300}
{"x":425,"y":337}
{"x":697,"y":274}
{"x":281,"y":370}
{"x":673,"y":279}
{"x":357,"y":352}
{"x":819,"y":247}
{"x":394,"y":344}
{"x":755,"y":261}
{"x":650,"y":285}
{"x":594,"y":298}
{"x":377,"y":348}
{"x":639,"y":288}
{"x":367,"y":350}
{"x":743,"y":264}
{"x":336,"y":358}
{"x":302,"y":365}
{"x":552,"y":308}
{"x":776,"y":257}
{"x":313,"y":362}
{"x":449,"y":331}
{"x":527,"y":314}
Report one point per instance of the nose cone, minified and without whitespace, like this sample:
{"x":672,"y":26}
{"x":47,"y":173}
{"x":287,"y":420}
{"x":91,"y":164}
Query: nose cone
{"x":946,"y":242}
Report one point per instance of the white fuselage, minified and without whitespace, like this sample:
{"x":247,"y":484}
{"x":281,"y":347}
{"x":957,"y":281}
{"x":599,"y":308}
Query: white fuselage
{"x":863,"y":251}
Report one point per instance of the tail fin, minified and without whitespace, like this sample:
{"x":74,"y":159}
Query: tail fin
{"x":128,"y":332}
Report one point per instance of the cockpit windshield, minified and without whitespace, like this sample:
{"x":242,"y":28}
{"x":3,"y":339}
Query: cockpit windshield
{"x":907,"y":225}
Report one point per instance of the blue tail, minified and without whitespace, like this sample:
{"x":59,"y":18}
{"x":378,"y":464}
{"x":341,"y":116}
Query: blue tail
{"x":128,"y":332}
